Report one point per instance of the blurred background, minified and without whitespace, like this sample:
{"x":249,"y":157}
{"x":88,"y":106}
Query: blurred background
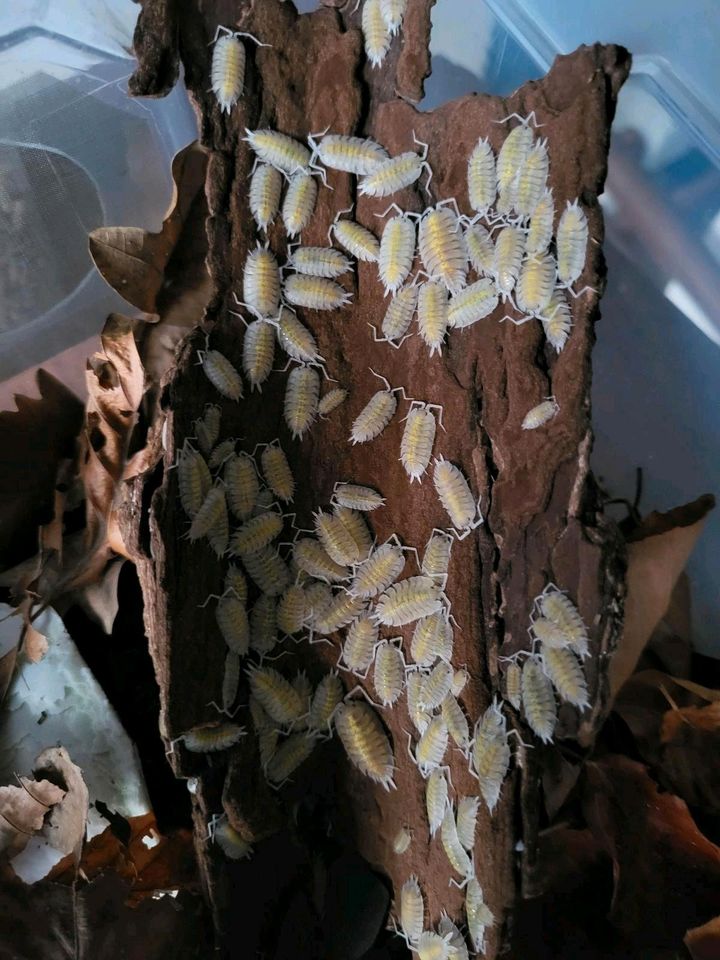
{"x":77,"y":153}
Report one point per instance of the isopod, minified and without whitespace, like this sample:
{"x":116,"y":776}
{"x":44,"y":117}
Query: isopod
{"x":397,"y":172}
{"x":535,"y":285}
{"x":263,"y":625}
{"x":412,"y":909}
{"x":291,"y":610}
{"x":456,"y":497}
{"x":436,"y":799}
{"x":381,"y":569}
{"x":466,"y":821}
{"x":431,"y":746}
{"x":538,"y":700}
{"x":375,"y":32}
{"x":221,"y":374}
{"x":342,"y":610}
{"x":211,"y":737}
{"x":256,"y":533}
{"x":472,"y":304}
{"x":566,"y":674}
{"x":261,"y":282}
{"x":491,"y":754}
{"x":355,"y":524}
{"x":302,"y":392}
{"x":231,"y":681}
{"x":402,"y":841}
{"x":328,"y":694}
{"x":207,"y":429}
{"x":218,"y":532}
{"x":513,"y":684}
{"x":276,"y":695}
{"x":513,"y":153}
{"x":315,"y":293}
{"x":331,"y":401}
{"x":232,"y":620}
{"x":194,"y":480}
{"x":279,"y":150}
{"x":375,"y":415}
{"x":481,"y":249}
{"x":397,"y":250}
{"x":454,"y":850}
{"x":455,"y":940}
{"x":227,"y":68}
{"x":299,"y":203}
{"x":436,"y":686}
{"x":357,"y":239}
{"x":554,"y":605}
{"x":432,"y":309}
{"x":414,"y":684}
{"x":388,"y":673}
{"x":311,"y":557}
{"x":264,"y":195}
{"x":232,"y":844}
{"x":442,"y":248}
{"x":393,"y":12}
{"x":418,"y":439}
{"x":557,"y":321}
{"x":336,"y":539}
{"x":277,"y":473}
{"x":540,"y":414}
{"x":482,"y":177}
{"x":268,"y":570}
{"x":509,"y":250}
{"x":357,"y":497}
{"x":212,"y":509}
{"x":356,"y":155}
{"x":236,"y":583}
{"x":359,"y":646}
{"x":242,"y":485}
{"x":431,"y":946}
{"x":539,"y":232}
{"x":571,"y":243}
{"x":478,"y":914}
{"x":408,"y":600}
{"x":436,"y":559}
{"x":432,"y":639}
{"x":319,"y":261}
{"x":398,"y":316}
{"x":457,"y":722}
{"x":548,"y":633}
{"x":460,"y":679}
{"x":290,"y":755}
{"x":318,"y":596}
{"x":258,"y":352}
{"x":222,"y":452}
{"x":366,"y":742}
{"x":531,"y":180}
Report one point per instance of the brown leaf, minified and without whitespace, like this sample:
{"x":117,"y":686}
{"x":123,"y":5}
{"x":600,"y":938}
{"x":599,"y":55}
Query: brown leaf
{"x":657,"y":555}
{"x":99,"y":599}
{"x":667,"y":874}
{"x":132,"y":260}
{"x":65,"y":827}
{"x":704,"y":942}
{"x":689,"y":755}
{"x":23,"y":809}
{"x":35,"y":644}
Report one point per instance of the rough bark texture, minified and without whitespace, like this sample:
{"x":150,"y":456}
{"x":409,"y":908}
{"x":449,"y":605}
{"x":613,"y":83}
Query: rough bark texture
{"x":538,"y":498}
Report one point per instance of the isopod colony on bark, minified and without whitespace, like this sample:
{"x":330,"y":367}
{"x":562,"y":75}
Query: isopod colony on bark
{"x":334,"y":583}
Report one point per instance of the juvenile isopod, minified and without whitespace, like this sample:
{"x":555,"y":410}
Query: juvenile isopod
{"x":513,"y":684}
{"x":288,"y":757}
{"x":263,"y":625}
{"x":436,"y":686}
{"x":454,"y":850}
{"x":397,"y":250}
{"x":563,"y":668}
{"x":276,"y":695}
{"x":389,"y":672}
{"x":279,"y":150}
{"x":472,"y":304}
{"x":456,"y":497}
{"x":356,"y":155}
{"x":299,"y":203}
{"x":336,"y":539}
{"x":227,"y":68}
{"x":357,"y":239}
{"x":242,"y":485}
{"x":457,"y":722}
{"x":382,"y":568}
{"x":375,"y":32}
{"x":232,"y":620}
{"x":359,"y":645}
{"x":557,"y":321}
{"x":376,"y":414}
{"x":432,"y":639}
{"x":194,"y":480}
{"x":535,"y":285}
{"x":478,"y":914}
{"x":212,"y":737}
{"x":261,"y":282}
{"x":331,"y":401}
{"x":412,"y":909}
{"x":256,"y":533}
{"x":342,"y":610}
{"x":398,"y":316}
{"x":328,"y":694}
{"x":560,"y":609}
{"x":571,"y":244}
{"x":460,"y":679}
{"x":482,"y":177}
{"x":221,"y":374}
{"x":222,"y":452}
{"x":436,"y":799}
{"x":481,"y":249}
{"x":232,"y":844}
{"x":311,"y":557}
{"x":277,"y":473}
{"x":418,"y":438}
{"x":539,"y":232}
{"x":318,"y":261}
{"x":442,"y":247}
{"x":531,"y":180}
{"x":436,"y":559}
{"x":408,"y":600}
{"x":393,"y":12}
{"x":420,"y":718}
{"x":357,"y":497}
{"x":301,"y":400}
{"x":538,"y":700}
{"x":258,"y":353}
{"x":207,"y":428}
{"x":431,"y":946}
{"x":212,"y":509}
{"x":540,"y":414}
{"x":366,"y":742}
{"x":509,"y":250}
{"x":491,"y":754}
{"x":431,"y":746}
{"x":267,"y":570}
{"x":315,"y":293}
{"x":264,"y":195}
{"x":397,"y":172}
{"x":402,"y":841}
{"x":432,"y":309}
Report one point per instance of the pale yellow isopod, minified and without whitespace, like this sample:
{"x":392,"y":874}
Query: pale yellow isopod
{"x":538,"y":700}
{"x":366,"y":742}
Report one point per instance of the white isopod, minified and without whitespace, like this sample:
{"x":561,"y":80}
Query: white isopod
{"x":454,"y":850}
{"x":292,"y":610}
{"x":548,"y":633}
{"x":557,"y":320}
{"x":356,"y":526}
{"x":261,"y":282}
{"x":264,"y":195}
{"x":263,"y":625}
{"x":436,"y":559}
{"x":227,"y":68}
{"x":258,"y":352}
{"x":535,"y":285}
{"x":212,"y":737}
{"x":378,"y":572}
{"x":566,"y":674}
{"x":236,"y":583}
{"x":393,"y":12}
{"x":418,"y":438}
{"x":412,"y":909}
{"x":210,"y":512}
{"x":456,"y":497}
{"x":397,"y":172}
{"x":376,"y":414}
{"x":539,"y":232}
{"x":478,"y":914}
{"x":513,"y":684}
{"x":539,"y":415}
{"x":388,"y":672}
{"x":194,"y":480}
{"x":408,"y":600}
{"x":295,"y":338}
{"x":268,"y":571}
{"x":277,"y":472}
{"x":398,"y":316}
{"x":513,"y":153}
{"x":432,"y":308}
{"x":455,"y":940}
{"x":482,"y":177}
{"x":457,"y":722}
{"x":466,"y":821}
{"x":256,"y":533}
{"x":442,"y":247}
{"x":375,"y":32}
{"x":431,"y":946}
{"x":481,"y":249}
{"x":436,"y":799}
{"x":531,"y":180}
{"x":357,"y":497}
{"x":571,"y":243}
{"x":318,"y":261}
{"x":288,"y":757}
{"x":350,"y":154}
{"x":491,"y":754}
{"x":328,"y":694}
{"x":402,"y":841}
{"x":242,"y":485}
{"x":538,"y":700}
{"x":221,"y":453}
{"x":420,"y":718}
{"x":311,"y":557}
{"x":335,"y":538}
{"x":233,"y":623}
{"x":299,"y":203}
{"x":279,"y":150}
{"x":560,"y":609}
{"x":207,"y":429}
{"x":221,"y":374}
{"x":397,"y":250}
{"x":431,"y":746}
{"x":276,"y":695}
{"x":472,"y":304}
{"x":331,"y":401}
{"x":509,"y":250}
{"x":436,"y":686}
{"x":358,"y":648}
{"x":232,"y":844}
{"x":432,"y":639}
{"x":357,"y":239}
{"x":342,"y":610}
{"x":301,"y":400}
{"x":366,"y":742}
{"x":315,"y":293}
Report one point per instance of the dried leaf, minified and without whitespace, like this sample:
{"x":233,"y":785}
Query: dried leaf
{"x":34,"y":644}
{"x":134,"y":261}
{"x":656,"y":557}
{"x":99,"y":599}
{"x":704,"y":942}
{"x":667,"y":874}
{"x":689,"y":755}
{"x":65,"y":828}
{"x":23,"y":809}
